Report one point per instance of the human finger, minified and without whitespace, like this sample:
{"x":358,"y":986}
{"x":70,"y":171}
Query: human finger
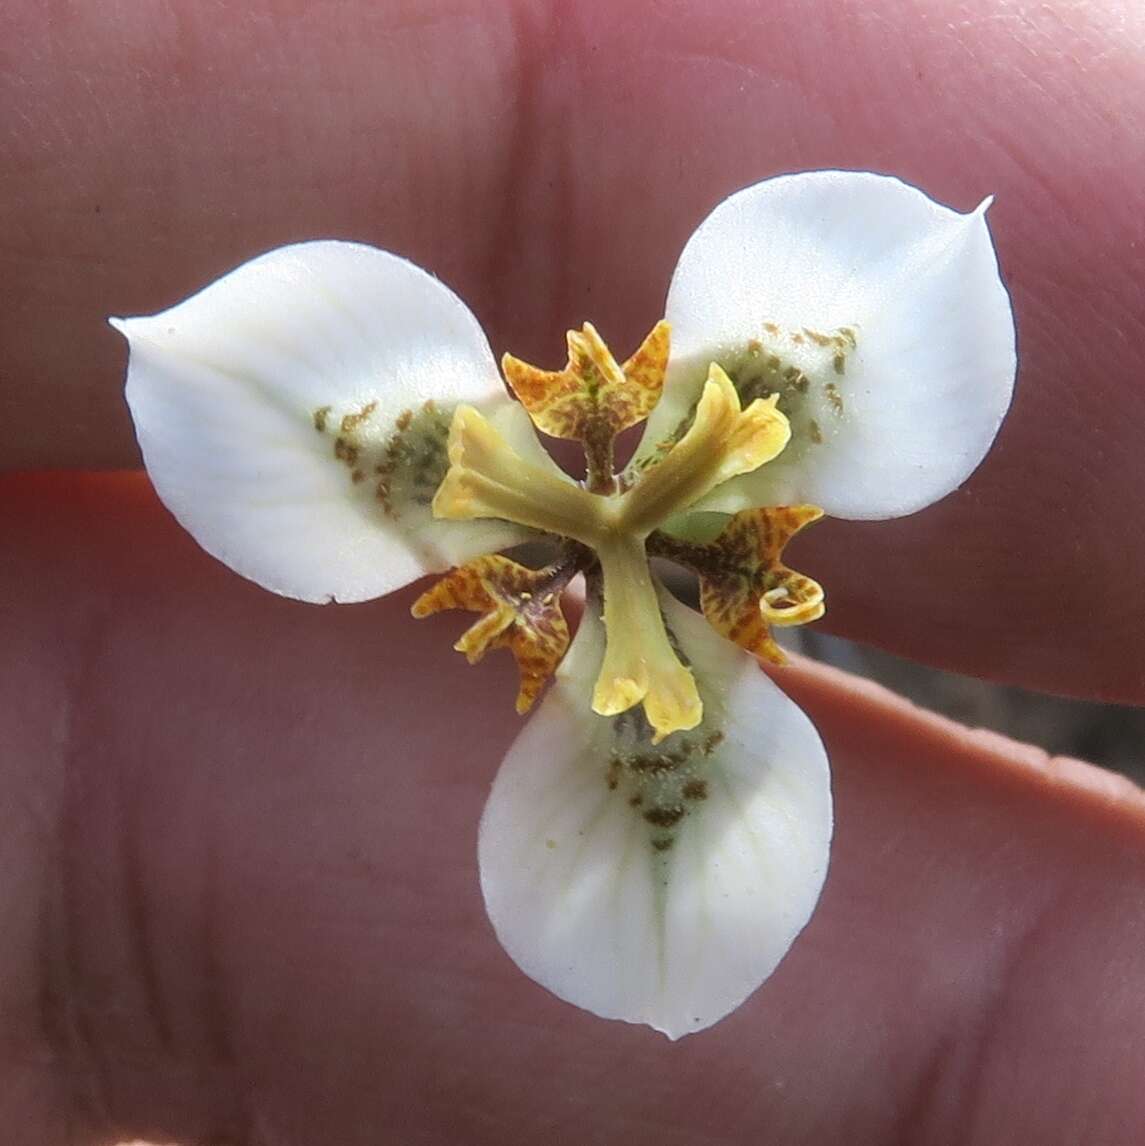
{"x":251,"y":906}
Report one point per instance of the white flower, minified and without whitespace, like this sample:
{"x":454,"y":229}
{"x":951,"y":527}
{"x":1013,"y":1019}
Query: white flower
{"x":329,"y":421}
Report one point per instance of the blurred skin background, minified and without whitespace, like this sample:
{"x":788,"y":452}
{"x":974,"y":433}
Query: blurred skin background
{"x":240,"y":902}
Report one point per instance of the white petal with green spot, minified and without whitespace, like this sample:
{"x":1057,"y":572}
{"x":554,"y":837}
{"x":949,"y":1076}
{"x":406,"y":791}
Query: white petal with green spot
{"x":776,"y":283}
{"x":663,"y":884}
{"x":293,"y":416}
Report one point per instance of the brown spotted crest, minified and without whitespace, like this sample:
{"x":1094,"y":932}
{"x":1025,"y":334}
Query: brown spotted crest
{"x":522,"y":613}
{"x":593,"y":398}
{"x":744,"y":586}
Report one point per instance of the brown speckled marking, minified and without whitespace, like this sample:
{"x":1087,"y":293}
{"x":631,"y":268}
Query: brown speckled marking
{"x":661,"y":787}
{"x":763,"y":377}
{"x":835,"y":398}
{"x":712,"y":742}
{"x":815,"y":432}
{"x":512,"y":599}
{"x":655,"y":762}
{"x":696,"y":790}
{"x":667,"y":817}
{"x":346,"y":451}
{"x":417,"y":466}
{"x":351,"y":422}
{"x":414,"y":459}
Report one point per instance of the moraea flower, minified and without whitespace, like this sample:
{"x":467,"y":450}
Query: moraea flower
{"x":329,"y":421}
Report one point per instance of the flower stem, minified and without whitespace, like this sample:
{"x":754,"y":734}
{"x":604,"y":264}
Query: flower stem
{"x":599,"y":460}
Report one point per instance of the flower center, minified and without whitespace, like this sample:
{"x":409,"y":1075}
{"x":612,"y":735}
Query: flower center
{"x":608,"y":525}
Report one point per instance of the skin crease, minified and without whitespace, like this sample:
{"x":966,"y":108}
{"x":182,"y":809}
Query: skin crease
{"x":233,"y":910}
